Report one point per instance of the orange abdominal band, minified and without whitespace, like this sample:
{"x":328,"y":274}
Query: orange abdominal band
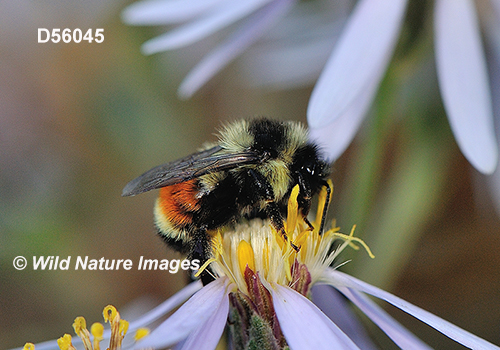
{"x":178,"y":202}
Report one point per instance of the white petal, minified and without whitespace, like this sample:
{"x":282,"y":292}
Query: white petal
{"x":168,"y":305}
{"x":339,"y":279}
{"x":304,"y":325}
{"x":294,"y":53}
{"x":188,"y":317}
{"x":463,"y":81}
{"x":286,"y":66}
{"x":207,"y":335}
{"x":158,"y":12}
{"x":222,"y":15}
{"x":336,"y":136}
{"x":494,"y":60}
{"x":400,"y":335}
{"x":358,"y":61}
{"x":246,"y":35}
{"x":338,"y":309}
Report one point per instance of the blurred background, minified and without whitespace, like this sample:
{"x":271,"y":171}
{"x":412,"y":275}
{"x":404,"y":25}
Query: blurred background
{"x":78,"y":121}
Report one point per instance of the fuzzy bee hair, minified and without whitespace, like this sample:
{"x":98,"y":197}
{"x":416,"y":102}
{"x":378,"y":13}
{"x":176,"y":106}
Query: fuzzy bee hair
{"x":249,"y":172}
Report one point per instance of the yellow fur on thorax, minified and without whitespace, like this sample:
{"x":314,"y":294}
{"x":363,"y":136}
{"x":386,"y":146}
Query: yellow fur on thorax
{"x":278,"y":175}
{"x":296,"y":136}
{"x":235,"y":138}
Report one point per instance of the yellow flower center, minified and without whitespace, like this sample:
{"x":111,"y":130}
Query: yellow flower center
{"x":256,"y":244}
{"x":245,"y":256}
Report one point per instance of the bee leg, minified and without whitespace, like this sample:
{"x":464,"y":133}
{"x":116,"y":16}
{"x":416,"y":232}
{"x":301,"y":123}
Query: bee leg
{"x":265,"y":192}
{"x":304,"y":199}
{"x":308,"y":223}
{"x":327,"y":203}
{"x":274,"y":214}
{"x":201,"y":249}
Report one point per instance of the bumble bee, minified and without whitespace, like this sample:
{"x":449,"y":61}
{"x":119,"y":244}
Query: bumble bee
{"x":248,"y":173}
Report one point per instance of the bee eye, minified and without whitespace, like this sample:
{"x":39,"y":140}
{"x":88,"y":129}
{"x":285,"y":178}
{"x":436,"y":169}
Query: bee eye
{"x":309,"y":168}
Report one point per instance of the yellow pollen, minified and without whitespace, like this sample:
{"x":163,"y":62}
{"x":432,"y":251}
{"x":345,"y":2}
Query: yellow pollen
{"x":301,"y":239}
{"x":64,"y":342}
{"x":141,"y":333}
{"x":321,"y":203}
{"x":109,"y":313}
{"x":281,"y":242}
{"x":79,"y":325}
{"x":258,"y":245}
{"x":266,"y":256}
{"x":123,"y":328}
{"x":97,"y":330}
{"x":293,"y":208}
{"x":245,"y":256}
{"x":29,"y":346}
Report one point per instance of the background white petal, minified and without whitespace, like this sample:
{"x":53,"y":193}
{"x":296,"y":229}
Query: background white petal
{"x":493,"y":38}
{"x":188,"y":317}
{"x":336,"y":136}
{"x":339,"y":279}
{"x":463,"y":81}
{"x":217,"y":18}
{"x":158,"y":12}
{"x":239,"y":41}
{"x":295,"y":51}
{"x":399,"y":334}
{"x":304,"y":325}
{"x":359,"y":59}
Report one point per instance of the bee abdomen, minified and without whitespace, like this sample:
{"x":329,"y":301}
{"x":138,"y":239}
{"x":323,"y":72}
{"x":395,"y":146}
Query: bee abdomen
{"x":176,"y":206}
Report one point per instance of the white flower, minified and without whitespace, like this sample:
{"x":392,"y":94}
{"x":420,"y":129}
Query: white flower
{"x":255,"y":247}
{"x":303,"y":324}
{"x":349,"y":81}
{"x":261,"y":276}
{"x":204,"y":18}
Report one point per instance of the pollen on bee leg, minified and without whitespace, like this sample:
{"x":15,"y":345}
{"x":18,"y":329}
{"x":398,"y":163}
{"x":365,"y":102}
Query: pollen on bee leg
{"x":245,"y":256}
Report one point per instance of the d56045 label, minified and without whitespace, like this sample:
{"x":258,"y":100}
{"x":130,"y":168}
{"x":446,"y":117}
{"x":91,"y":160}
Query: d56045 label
{"x":56,"y":35}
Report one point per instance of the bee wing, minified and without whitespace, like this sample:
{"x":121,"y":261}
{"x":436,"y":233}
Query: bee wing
{"x":187,"y":168}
